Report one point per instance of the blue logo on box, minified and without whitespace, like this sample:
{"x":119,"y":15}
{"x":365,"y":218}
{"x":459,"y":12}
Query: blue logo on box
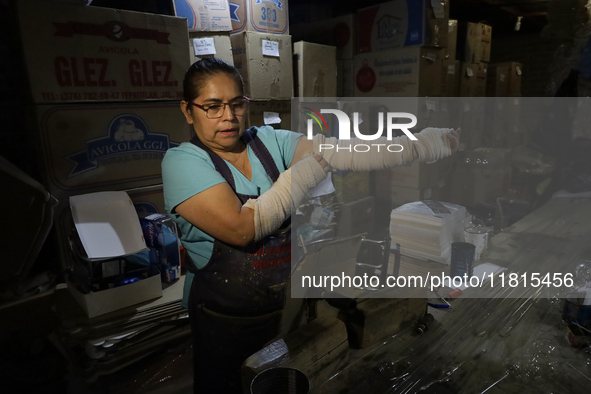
{"x":278,"y":3}
{"x":128,"y":139}
{"x":233,"y":12}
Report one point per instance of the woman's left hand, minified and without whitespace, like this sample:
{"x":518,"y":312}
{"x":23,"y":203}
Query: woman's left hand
{"x":454,"y":139}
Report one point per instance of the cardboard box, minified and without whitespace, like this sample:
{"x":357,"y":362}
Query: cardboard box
{"x":340,"y":32}
{"x":404,"y":72}
{"x":402,"y":23}
{"x":76,"y":53}
{"x":345,"y":80}
{"x":101,"y":302}
{"x":263,"y":16}
{"x":91,"y":147}
{"x":202,"y":45}
{"x":269,"y":112}
{"x":204,"y":15}
{"x":473,"y":80}
{"x":449,"y":78}
{"x":452,"y":40}
{"x":474,"y":42}
{"x":147,"y":200}
{"x":265,"y":63}
{"x":316,"y":70}
{"x":504,"y":80}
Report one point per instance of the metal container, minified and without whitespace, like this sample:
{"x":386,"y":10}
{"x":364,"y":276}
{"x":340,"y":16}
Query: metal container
{"x":280,"y":380}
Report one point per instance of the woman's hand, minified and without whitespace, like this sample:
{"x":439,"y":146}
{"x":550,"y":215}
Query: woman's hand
{"x":323,"y":163}
{"x":454,"y":139}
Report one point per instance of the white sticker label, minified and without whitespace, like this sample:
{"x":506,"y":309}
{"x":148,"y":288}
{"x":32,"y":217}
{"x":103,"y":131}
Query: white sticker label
{"x":502,"y":77}
{"x":451,"y":69}
{"x":431,"y":56}
{"x":438,"y":9}
{"x":466,"y":107}
{"x":518,"y":70}
{"x":270,"y":48}
{"x":430,"y":105}
{"x":469,"y":72}
{"x":204,"y":46}
{"x":271,"y":117}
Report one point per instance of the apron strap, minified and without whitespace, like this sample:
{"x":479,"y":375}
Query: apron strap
{"x":260,"y":150}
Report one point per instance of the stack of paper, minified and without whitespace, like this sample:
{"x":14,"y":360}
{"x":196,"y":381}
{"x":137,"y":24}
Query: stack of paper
{"x":425,"y":230}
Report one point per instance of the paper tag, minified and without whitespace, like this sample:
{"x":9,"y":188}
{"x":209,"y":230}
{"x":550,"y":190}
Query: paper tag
{"x":466,"y":107}
{"x":430,"y":56}
{"x":469,"y":71}
{"x":270,"y":48}
{"x":430,"y":105}
{"x":502,"y":77}
{"x":451,"y":69}
{"x":518,"y":70}
{"x":438,"y":8}
{"x":271,"y":118}
{"x":204,"y":46}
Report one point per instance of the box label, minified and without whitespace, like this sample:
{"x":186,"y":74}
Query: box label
{"x":204,"y":46}
{"x":270,"y":48}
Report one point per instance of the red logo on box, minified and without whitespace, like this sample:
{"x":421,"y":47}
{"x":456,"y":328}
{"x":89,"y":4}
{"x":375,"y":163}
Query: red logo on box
{"x":113,"y":30}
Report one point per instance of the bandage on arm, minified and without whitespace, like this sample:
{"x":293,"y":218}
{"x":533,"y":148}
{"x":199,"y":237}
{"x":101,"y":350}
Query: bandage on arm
{"x":276,"y":204}
{"x":432,"y":144}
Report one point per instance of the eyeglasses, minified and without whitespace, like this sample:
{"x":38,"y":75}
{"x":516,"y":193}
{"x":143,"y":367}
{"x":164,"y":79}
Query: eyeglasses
{"x":215,"y":111}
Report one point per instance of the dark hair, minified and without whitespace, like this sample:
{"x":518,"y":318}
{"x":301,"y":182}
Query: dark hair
{"x":197,"y":75}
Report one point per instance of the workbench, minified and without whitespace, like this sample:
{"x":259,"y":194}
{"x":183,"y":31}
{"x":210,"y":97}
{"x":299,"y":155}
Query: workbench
{"x":507,"y":340}
{"x":493,"y":340}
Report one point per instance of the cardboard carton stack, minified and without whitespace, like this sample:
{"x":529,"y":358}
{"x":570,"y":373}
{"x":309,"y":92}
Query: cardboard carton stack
{"x":262,"y":52}
{"x":340,"y":32}
{"x":105,"y":104}
{"x":401,"y":49}
{"x":473,"y":50}
{"x":209,"y":27}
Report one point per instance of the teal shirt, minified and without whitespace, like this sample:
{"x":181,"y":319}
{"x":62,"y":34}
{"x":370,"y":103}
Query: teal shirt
{"x":188,"y":170}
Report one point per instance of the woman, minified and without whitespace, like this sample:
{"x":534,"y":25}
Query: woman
{"x":231,"y":192}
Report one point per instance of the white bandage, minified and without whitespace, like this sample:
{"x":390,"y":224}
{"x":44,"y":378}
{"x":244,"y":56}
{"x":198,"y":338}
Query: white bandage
{"x":276,"y":204}
{"x":432,"y":144}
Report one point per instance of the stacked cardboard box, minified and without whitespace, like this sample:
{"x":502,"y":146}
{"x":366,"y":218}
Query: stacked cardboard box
{"x":315,"y":73}
{"x":401,"y":45}
{"x":209,"y":27}
{"x":473,"y":50}
{"x":504,"y":80}
{"x":106,"y":107}
{"x":262,"y":53}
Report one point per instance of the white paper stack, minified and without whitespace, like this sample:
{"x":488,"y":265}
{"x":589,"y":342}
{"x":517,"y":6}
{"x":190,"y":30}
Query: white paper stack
{"x":425,"y":230}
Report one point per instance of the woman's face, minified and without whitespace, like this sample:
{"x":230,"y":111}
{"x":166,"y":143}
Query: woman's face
{"x":222,"y":133}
